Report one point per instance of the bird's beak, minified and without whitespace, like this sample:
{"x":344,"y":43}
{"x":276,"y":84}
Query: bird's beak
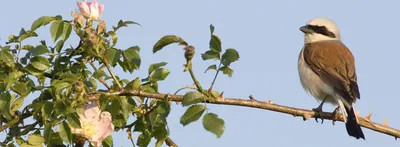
{"x":306,"y":30}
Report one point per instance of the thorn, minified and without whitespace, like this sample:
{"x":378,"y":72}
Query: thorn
{"x":368,"y":117}
{"x":270,"y":101}
{"x":385,"y":123}
{"x":221,"y":95}
{"x":251,"y":98}
{"x":358,"y":113}
{"x":306,"y":117}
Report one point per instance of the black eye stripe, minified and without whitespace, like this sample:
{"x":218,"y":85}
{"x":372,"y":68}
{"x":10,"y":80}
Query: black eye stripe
{"x":321,"y":30}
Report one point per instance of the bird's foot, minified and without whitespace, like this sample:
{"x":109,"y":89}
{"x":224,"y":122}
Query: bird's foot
{"x":335,"y":115}
{"x":318,"y":110}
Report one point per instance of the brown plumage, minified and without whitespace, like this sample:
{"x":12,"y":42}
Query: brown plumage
{"x":335,"y":65}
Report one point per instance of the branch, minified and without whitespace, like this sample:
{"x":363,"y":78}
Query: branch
{"x":170,"y":143}
{"x":100,"y":79}
{"x":296,"y":112}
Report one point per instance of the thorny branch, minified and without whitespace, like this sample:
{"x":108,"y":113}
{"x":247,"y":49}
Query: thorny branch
{"x":170,"y":143}
{"x":296,"y":112}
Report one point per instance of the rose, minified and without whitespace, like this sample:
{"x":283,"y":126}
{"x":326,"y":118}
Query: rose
{"x":95,"y":125}
{"x":91,"y":10}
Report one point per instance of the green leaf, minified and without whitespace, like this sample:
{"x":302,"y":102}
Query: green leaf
{"x":47,"y":132}
{"x":230,"y":56}
{"x":12,"y":78}
{"x":42,"y":21}
{"x":7,"y":57}
{"x":32,"y":70}
{"x":212,"y":28}
{"x":144,"y":139}
{"x":166,"y":40}
{"x":192,"y":114}
{"x":21,"y":89}
{"x":67,"y":29}
{"x":160,"y":142}
{"x":122,"y":23}
{"x":192,"y":97}
{"x":55,"y":139}
{"x":25,"y":145}
{"x":211,"y":67}
{"x":38,"y":50}
{"x":47,"y":108}
{"x":17,"y":104}
{"x":156,"y":66}
{"x":210,"y":55}
{"x":27,"y":47}
{"x":73,"y":120}
{"x":59,"y":46}
{"x":56,"y":29}
{"x":40,"y":63}
{"x":132,"y":59}
{"x":114,"y":37}
{"x":108,"y":141}
{"x":126,"y":107}
{"x":26,"y":34}
{"x":58,"y":88}
{"x":113,"y":56}
{"x":91,"y":83}
{"x":212,"y":123}
{"x":159,"y":74}
{"x":226,"y":70}
{"x":19,"y":141}
{"x":99,"y":73}
{"x":35,"y":139}
{"x":4,"y":102}
{"x":131,"y":22}
{"x":215,"y":44}
{"x":65,"y":132}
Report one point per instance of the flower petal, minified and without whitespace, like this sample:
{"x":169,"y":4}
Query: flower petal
{"x":105,"y":127}
{"x":84,"y":8}
{"x":94,"y":11}
{"x":91,"y":111}
{"x":101,"y":9}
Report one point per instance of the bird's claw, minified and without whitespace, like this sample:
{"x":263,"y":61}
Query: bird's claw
{"x":335,"y":115}
{"x":319,"y":112}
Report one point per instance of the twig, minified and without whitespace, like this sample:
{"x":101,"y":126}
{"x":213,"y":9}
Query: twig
{"x":215,"y":78}
{"x":297,"y":112}
{"x":170,"y":143}
{"x":197,"y":83}
{"x":100,"y":78}
{"x":112,"y":74}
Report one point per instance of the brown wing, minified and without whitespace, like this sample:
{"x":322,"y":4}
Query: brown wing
{"x":334,"y":63}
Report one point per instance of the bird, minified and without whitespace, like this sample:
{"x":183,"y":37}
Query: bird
{"x":327,"y":71}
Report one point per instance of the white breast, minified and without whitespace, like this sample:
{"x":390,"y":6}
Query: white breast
{"x":312,"y":83}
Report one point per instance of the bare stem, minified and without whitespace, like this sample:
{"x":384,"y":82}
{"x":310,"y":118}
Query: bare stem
{"x":100,"y":78}
{"x":112,"y":74}
{"x":197,"y":83}
{"x":215,"y":78}
{"x":170,"y":143}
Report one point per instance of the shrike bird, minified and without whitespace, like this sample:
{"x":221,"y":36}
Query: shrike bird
{"x":327,"y":71}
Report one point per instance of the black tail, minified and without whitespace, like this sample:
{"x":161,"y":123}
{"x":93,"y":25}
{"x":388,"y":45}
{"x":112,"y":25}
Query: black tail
{"x":353,"y":128}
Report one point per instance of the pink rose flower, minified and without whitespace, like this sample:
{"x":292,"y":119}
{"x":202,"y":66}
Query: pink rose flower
{"x":91,"y":10}
{"x":95,"y":125}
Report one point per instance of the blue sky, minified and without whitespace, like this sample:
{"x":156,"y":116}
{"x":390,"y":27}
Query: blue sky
{"x":267,"y":37}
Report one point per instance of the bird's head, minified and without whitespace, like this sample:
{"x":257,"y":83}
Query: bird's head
{"x":320,"y":29}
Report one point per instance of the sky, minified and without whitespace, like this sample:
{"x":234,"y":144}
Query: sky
{"x":267,"y":36}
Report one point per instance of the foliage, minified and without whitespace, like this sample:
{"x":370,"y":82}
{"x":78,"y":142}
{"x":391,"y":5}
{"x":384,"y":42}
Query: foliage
{"x":65,"y":77}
